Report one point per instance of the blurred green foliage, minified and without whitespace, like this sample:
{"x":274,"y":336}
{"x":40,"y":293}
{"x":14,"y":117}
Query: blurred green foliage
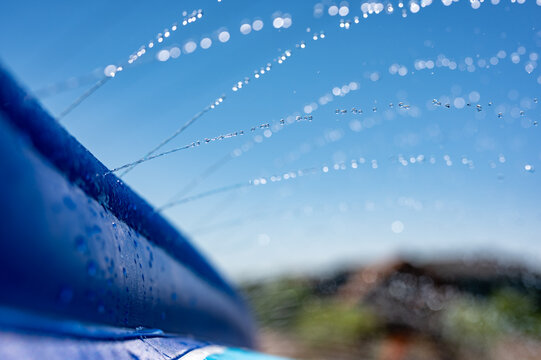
{"x":277,"y":304}
{"x":292,"y":306}
{"x":332,"y":322}
{"x":474,"y":320}
{"x":314,"y":315}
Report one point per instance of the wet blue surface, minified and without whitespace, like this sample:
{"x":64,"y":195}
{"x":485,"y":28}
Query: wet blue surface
{"x":80,"y":246}
{"x":16,"y":345}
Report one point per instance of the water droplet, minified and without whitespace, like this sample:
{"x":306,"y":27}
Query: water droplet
{"x":93,"y":230}
{"x":65,"y":295}
{"x":91,"y":268}
{"x":69,"y":203}
{"x":224,"y":36}
{"x":397,"y":226}
{"x":80,"y":244}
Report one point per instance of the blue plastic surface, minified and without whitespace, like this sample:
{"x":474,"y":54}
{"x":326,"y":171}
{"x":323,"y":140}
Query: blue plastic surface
{"x":78,"y":245}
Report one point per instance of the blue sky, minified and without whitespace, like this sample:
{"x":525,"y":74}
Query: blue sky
{"x":477,"y":197}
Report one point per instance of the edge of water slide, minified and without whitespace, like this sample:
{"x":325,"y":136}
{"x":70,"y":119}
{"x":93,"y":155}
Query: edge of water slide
{"x":77,"y":245}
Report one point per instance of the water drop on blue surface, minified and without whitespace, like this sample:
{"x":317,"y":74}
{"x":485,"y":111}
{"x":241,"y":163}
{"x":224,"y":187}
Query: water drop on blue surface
{"x":65,"y":295}
{"x":69,"y":203}
{"x":80,"y":244}
{"x":91,"y":268}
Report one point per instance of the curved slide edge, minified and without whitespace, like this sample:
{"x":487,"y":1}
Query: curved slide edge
{"x":32,"y":346}
{"x":80,"y":167}
{"x":69,"y":249}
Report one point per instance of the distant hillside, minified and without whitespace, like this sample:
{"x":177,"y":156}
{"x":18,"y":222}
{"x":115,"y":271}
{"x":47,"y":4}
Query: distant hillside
{"x":439,"y":310}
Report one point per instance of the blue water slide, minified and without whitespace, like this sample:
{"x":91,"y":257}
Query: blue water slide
{"x":87,"y":267}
